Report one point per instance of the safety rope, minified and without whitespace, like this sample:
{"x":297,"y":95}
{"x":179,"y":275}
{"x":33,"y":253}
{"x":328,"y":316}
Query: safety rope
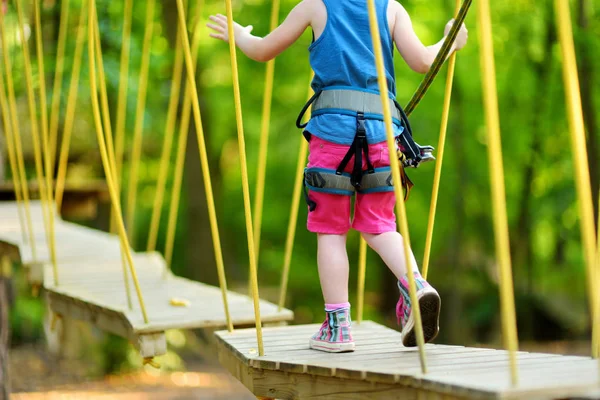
{"x":122,"y":97}
{"x":70,"y":111}
{"x":439,"y":59}
{"x":167,"y":145}
{"x":580,"y":158}
{"x":509,"y":323}
{"x":184,"y":128}
{"x":104,"y":154}
{"x":440,"y":156}
{"x":395,"y":165}
{"x":212,"y":215}
{"x":45,"y":188}
{"x":136,"y":151}
{"x":17,"y":136}
{"x":362,"y":272}
{"x":58,"y":78}
{"x":293,"y":221}
{"x":109,"y":141}
{"x":10,"y":145}
{"x":245,"y":185}
{"x":264,"y":137}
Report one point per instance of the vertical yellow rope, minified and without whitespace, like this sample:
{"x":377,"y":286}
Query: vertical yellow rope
{"x":167,"y":146}
{"x":362,"y":271}
{"x":440,"y":157}
{"x":136,"y":151}
{"x":109,"y":141}
{"x":122,"y":98}
{"x":70,"y":111}
{"x":17,"y":136}
{"x":509,"y":323}
{"x":264,"y":138}
{"x":245,"y":185}
{"x":293,"y":221}
{"x":104,"y":154}
{"x":45,"y":190}
{"x":212,"y":215}
{"x":577,"y":129}
{"x":395,"y":165}
{"x":58,"y":77}
{"x":12,"y":157}
{"x":184,"y":128}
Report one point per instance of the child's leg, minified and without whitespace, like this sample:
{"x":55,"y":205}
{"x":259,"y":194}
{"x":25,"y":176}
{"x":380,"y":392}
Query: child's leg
{"x":332,"y":260}
{"x":390,"y":247}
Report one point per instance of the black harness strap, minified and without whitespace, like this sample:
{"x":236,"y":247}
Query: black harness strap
{"x":358,"y":147}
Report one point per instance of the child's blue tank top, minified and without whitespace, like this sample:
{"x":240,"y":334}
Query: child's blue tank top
{"x":343,"y":57}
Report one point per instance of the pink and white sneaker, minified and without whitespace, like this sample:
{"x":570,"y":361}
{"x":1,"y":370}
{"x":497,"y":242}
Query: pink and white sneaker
{"x":429,"y":304}
{"x":335,"y":335}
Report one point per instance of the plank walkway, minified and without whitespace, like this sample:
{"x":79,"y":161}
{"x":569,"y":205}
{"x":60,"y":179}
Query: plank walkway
{"x":91,"y":285}
{"x":381,"y":368}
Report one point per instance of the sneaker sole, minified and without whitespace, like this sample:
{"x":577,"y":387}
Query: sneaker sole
{"x":331,"y":347}
{"x":429,"y":304}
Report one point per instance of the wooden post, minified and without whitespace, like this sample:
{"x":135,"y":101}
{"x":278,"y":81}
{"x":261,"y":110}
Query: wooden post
{"x":4,"y":327}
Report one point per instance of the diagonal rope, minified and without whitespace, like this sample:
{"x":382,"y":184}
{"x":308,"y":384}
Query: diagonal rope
{"x":184,"y":128}
{"x":122,"y":98}
{"x":245,"y":185}
{"x":293,"y":221}
{"x":395,"y":165}
{"x":136,"y":151}
{"x":58,"y":78}
{"x":109,"y":141}
{"x":212,"y":215}
{"x":45,"y":190}
{"x":582,"y":171}
{"x":167,"y":145}
{"x":17,"y":136}
{"x":264,"y":137}
{"x":362,"y":271}
{"x":70,"y":111}
{"x":490,"y":94}
{"x":440,"y":158}
{"x":12,"y":157}
{"x":104,"y":154}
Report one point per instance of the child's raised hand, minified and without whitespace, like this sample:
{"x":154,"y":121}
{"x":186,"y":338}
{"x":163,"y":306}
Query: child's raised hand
{"x":461,"y":38}
{"x":220,"y":28}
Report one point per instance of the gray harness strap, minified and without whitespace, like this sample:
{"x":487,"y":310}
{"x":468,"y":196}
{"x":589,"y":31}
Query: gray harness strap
{"x":328,"y":181}
{"x":355,"y":100}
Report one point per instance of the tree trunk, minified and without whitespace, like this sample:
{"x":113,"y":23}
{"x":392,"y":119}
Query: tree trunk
{"x":4,"y":338}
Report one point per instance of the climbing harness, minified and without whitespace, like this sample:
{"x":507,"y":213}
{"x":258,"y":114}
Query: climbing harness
{"x":364,"y":106}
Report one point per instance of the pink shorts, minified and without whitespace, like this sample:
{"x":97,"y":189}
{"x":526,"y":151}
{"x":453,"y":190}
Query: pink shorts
{"x":373,"y":212}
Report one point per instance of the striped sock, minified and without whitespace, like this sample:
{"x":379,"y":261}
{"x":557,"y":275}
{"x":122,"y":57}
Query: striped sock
{"x":333,"y":307}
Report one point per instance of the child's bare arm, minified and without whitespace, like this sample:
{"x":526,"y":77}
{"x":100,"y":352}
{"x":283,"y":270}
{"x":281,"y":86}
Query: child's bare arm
{"x":264,"y":49}
{"x":419,"y":57}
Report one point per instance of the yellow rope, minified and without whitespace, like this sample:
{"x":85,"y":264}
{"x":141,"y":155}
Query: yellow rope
{"x":577,"y":129}
{"x":509,"y":326}
{"x":395,"y":165}
{"x":45,"y":188}
{"x":184,"y":128}
{"x":362,"y":271}
{"x":109,"y":141}
{"x":191,"y":80}
{"x":70,"y":111}
{"x":104,"y":154}
{"x":136,"y":151}
{"x":440,"y":158}
{"x":122,"y":99}
{"x":58,"y":77}
{"x":17,"y":136}
{"x":291,"y":232}
{"x":12,"y":157}
{"x":167,"y":146}
{"x":245,"y":185}
{"x":264,"y":138}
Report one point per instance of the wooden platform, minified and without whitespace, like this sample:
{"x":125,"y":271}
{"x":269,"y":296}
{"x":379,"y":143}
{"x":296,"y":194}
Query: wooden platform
{"x":381,"y":368}
{"x":91,"y":285}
